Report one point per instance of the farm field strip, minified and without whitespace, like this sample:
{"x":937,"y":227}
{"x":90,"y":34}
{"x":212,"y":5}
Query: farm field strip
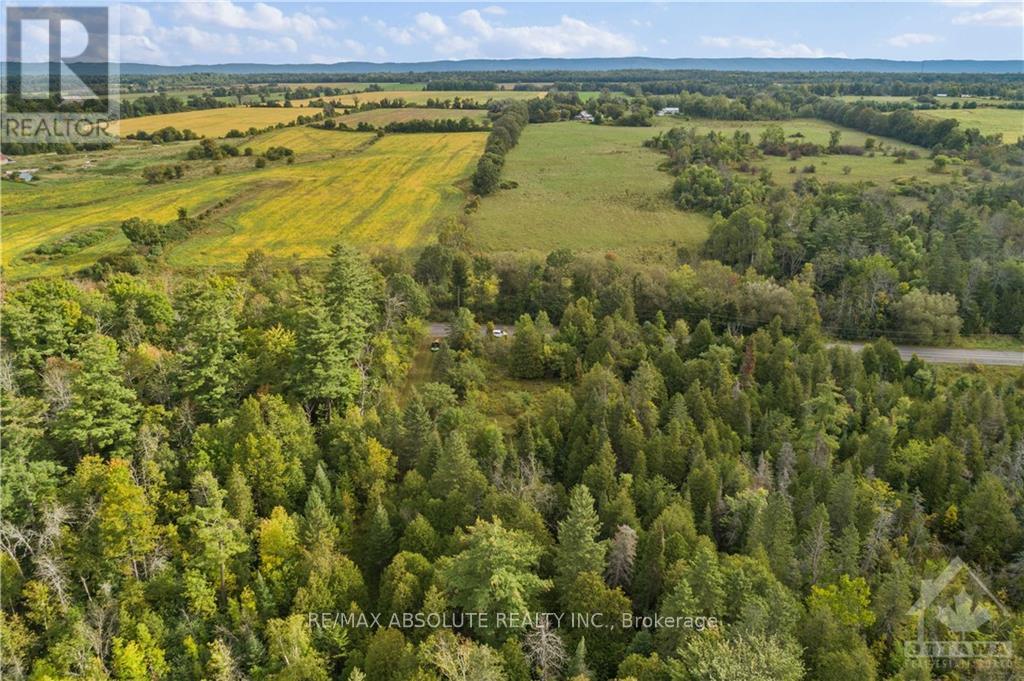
{"x":421,"y":96}
{"x":213,"y":122}
{"x":385,"y":116}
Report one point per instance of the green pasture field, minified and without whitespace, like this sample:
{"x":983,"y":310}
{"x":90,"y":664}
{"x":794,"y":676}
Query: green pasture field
{"x":342,"y":186}
{"x":588,"y":188}
{"x":879,"y":169}
{"x":990,"y":121}
{"x":813,"y":130}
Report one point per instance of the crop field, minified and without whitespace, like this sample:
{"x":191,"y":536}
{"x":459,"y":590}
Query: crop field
{"x":1007,"y":122}
{"x":382,"y":117}
{"x":213,"y":122}
{"x":309,"y":142}
{"x":387,"y":192}
{"x":584,"y":187}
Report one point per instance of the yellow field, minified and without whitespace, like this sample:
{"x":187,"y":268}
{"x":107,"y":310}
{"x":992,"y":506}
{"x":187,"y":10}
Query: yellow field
{"x":369,"y":193}
{"x":213,"y":122}
{"x":421,"y":96}
{"x":382,"y":117}
{"x":305,"y":140}
{"x":1007,"y":122}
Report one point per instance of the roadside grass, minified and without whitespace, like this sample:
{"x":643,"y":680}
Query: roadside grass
{"x":213,"y":122}
{"x":587,"y":188}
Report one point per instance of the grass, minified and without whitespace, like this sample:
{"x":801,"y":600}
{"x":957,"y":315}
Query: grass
{"x":812,"y":129}
{"x":381,"y":117}
{"x":343,"y":186}
{"x":213,"y":122}
{"x":585,"y":187}
{"x":1006,"y":122}
{"x":878,"y":169}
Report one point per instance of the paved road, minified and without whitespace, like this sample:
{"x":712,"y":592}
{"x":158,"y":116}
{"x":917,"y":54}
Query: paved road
{"x":443,"y":330}
{"x":1009,"y":358}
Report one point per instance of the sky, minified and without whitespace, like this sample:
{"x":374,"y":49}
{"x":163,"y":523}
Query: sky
{"x":326,"y":32}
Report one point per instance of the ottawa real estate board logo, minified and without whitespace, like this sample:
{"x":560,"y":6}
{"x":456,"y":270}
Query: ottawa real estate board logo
{"x":60,"y":74}
{"x":957,"y":621}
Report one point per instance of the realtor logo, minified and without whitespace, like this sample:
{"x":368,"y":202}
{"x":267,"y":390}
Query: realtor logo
{"x":60,"y":78}
{"x":954,"y":614}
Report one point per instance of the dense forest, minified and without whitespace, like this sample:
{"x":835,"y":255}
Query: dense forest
{"x":199,"y":473}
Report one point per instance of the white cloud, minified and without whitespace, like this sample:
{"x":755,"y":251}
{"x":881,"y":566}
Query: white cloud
{"x":257,"y":17}
{"x":765,"y":47}
{"x":431,"y":23}
{"x":397,"y":35}
{"x":912,"y":39}
{"x":569,"y":37}
{"x":495,"y":10}
{"x":1004,"y":15}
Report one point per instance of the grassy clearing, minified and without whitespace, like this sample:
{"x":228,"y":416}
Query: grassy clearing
{"x":213,"y":122}
{"x":1006,"y":122}
{"x":382,"y":117}
{"x":812,"y":129}
{"x":878,"y":169}
{"x":585,"y":187}
{"x":343,"y":186}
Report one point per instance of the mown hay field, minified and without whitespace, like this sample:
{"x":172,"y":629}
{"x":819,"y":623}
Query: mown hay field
{"x":1006,"y":122}
{"x":587,"y":188}
{"x":343,"y":186}
{"x":381,"y":117}
{"x":213,"y":122}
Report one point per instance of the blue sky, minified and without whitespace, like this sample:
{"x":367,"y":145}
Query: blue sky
{"x":304,"y":32}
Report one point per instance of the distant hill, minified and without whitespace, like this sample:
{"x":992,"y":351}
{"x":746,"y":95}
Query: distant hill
{"x":601,"y":64}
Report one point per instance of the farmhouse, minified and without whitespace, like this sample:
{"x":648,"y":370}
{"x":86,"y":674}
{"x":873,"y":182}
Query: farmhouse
{"x":585,"y":116}
{"x":669,"y":111}
{"x":5,"y":159}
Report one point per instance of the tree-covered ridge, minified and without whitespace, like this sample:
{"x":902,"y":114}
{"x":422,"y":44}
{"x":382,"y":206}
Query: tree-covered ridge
{"x":190,"y":471}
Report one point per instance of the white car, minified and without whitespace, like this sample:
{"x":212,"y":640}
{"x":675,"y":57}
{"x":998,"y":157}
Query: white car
{"x":498,"y":333}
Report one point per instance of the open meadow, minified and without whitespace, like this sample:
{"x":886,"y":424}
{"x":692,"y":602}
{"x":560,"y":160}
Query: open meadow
{"x":990,"y":121}
{"x":588,"y":188}
{"x":213,"y":122}
{"x":343,"y":185}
